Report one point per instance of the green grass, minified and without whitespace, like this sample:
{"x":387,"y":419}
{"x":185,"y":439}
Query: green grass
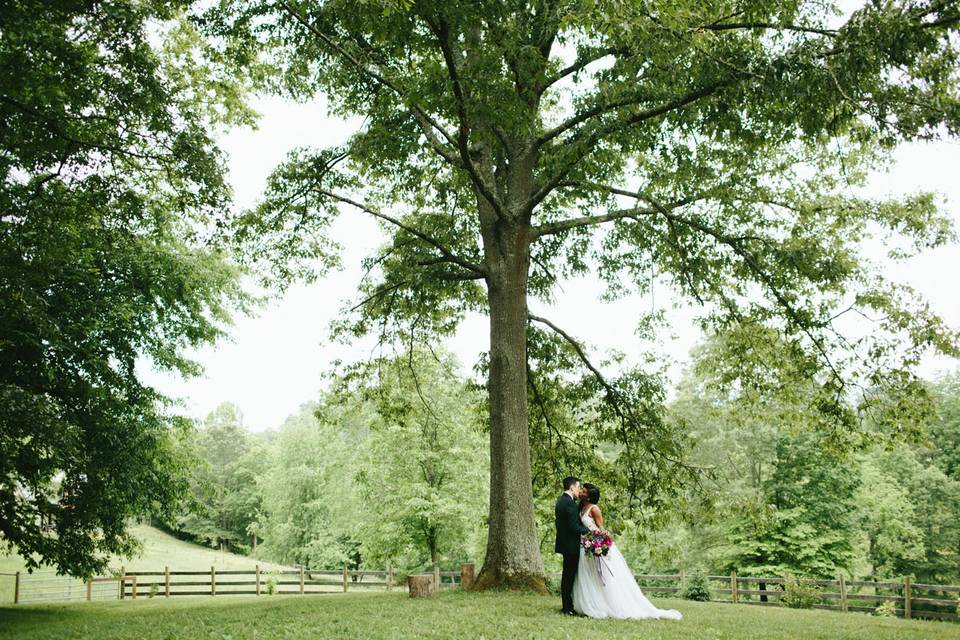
{"x":159,"y":549}
{"x":448,"y":615}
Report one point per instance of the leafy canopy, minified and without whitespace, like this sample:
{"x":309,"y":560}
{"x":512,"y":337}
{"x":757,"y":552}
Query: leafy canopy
{"x":108,"y":177}
{"x":715,"y":145}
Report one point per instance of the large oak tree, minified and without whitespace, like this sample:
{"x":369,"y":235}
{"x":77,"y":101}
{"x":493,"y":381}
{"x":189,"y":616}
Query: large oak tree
{"x":509,"y":144}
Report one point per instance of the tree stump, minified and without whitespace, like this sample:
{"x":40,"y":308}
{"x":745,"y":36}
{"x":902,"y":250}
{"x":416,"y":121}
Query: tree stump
{"x":466,"y":575}
{"x":420,"y":586}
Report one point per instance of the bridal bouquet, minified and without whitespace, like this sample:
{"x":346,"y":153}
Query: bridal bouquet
{"x":597,"y":542}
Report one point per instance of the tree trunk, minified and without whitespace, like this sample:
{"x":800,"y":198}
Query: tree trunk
{"x":513,"y":554}
{"x":420,"y":586}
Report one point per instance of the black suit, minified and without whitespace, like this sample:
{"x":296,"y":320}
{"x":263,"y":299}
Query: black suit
{"x":569,"y":530}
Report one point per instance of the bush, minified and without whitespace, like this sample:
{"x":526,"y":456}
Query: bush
{"x":154,"y":590}
{"x":886,"y":609}
{"x":697,"y":588}
{"x":797,"y":595}
{"x":271,"y":585}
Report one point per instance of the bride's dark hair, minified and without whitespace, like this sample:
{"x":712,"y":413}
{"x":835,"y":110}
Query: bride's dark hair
{"x":593,"y":493}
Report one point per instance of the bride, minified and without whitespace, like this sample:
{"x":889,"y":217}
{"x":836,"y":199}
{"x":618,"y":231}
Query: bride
{"x":605,"y":587}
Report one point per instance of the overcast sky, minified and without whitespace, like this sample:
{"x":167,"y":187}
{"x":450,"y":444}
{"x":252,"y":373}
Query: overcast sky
{"x":273,"y":362}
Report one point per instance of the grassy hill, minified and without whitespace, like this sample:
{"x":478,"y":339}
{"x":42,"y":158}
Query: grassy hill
{"x":449,"y":615}
{"x":159,"y":549}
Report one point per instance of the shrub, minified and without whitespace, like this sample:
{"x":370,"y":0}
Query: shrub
{"x":154,"y":590}
{"x":697,"y":588}
{"x":271,"y":585}
{"x":886,"y":609}
{"x":797,"y":595}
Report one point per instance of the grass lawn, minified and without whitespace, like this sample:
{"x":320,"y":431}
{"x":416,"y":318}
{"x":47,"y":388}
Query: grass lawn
{"x":159,"y":549}
{"x":448,"y":615}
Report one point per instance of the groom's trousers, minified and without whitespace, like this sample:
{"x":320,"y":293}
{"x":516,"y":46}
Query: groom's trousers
{"x":571,"y":562}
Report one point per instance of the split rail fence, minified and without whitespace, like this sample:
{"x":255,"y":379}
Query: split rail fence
{"x":46,"y":586}
{"x":911,"y":600}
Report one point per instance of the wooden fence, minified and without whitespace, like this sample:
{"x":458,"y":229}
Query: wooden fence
{"x":910,"y":599}
{"x":302,"y":581}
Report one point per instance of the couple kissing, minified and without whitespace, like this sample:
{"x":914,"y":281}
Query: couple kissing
{"x":596,"y":582}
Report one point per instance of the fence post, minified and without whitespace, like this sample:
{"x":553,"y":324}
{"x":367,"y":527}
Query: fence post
{"x":213,"y":580}
{"x":467,"y":575}
{"x":733,"y":587}
{"x":906,"y":597}
{"x":843,"y":593}
{"x":133,"y":588}
{"x":436,"y":576}
{"x":389,"y":577}
{"x":16,"y":588}
{"x":683,"y":581}
{"x":123,"y":581}
{"x":89,"y":588}
{"x":301,"y":579}
{"x":345,"y":574}
{"x":258,"y":579}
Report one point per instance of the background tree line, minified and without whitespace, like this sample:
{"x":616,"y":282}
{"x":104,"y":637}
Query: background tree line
{"x":389,"y":465}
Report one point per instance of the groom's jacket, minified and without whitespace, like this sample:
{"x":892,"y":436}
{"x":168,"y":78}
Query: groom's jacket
{"x":569,"y":527}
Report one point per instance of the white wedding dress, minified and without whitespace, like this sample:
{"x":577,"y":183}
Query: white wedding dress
{"x":615,"y":594}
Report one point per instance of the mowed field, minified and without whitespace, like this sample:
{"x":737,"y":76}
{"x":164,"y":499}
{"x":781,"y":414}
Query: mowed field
{"x":159,"y":549}
{"x":450,"y":614}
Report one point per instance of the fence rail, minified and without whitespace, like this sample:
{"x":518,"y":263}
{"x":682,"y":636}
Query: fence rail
{"x":46,"y":586}
{"x":910,"y":600}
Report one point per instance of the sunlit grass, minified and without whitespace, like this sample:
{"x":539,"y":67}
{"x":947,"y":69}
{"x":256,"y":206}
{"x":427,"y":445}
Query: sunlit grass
{"x":449,"y":615}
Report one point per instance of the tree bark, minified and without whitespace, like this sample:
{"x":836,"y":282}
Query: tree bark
{"x":420,"y":586}
{"x":513,"y":553}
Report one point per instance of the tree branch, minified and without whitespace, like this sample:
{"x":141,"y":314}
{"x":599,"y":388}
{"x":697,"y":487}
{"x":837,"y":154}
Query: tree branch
{"x":730,"y":26}
{"x":446,"y":153}
{"x":366,"y":69}
{"x":736,"y":244}
{"x":442,"y":32}
{"x":579,"y":65}
{"x":587,"y":141}
{"x":538,"y":399}
{"x":552,"y":228}
{"x":600,"y":109}
{"x":621,"y":407}
{"x":584,"y":221}
{"x":480,"y":271}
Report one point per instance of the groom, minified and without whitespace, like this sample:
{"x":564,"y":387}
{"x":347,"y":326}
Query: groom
{"x":569,"y":530}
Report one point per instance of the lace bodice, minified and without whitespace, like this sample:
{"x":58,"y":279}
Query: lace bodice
{"x":588,"y":521}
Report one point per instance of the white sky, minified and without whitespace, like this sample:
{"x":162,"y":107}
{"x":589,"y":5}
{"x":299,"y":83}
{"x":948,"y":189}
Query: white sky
{"x":274,"y":361}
